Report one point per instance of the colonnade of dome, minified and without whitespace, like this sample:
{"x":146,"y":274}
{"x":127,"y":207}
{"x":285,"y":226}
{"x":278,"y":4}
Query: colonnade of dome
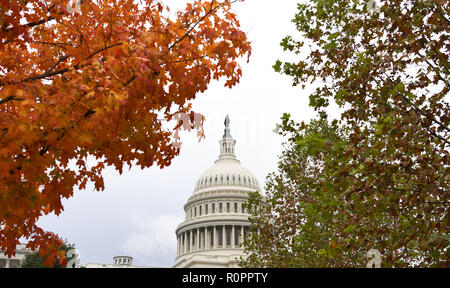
{"x":207,"y":237}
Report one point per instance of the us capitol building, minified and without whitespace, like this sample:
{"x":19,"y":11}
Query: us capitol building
{"x":216,"y":221}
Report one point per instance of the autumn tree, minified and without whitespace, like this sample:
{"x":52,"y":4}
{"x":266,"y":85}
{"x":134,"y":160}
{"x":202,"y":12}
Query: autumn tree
{"x":83,"y":79}
{"x":296,"y":218}
{"x":385,"y":185}
{"x":36,"y":260}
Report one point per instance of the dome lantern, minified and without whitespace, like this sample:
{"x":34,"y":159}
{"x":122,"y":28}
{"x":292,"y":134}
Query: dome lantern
{"x":227,"y":143}
{"x":123,"y":260}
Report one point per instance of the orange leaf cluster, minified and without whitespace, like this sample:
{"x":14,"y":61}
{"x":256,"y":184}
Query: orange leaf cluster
{"x":96,"y":81}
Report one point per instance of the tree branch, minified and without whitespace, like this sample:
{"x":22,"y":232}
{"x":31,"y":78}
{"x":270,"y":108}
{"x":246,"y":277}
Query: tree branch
{"x":419,"y":111}
{"x":50,"y":72}
{"x":9,"y":98}
{"x":61,"y":59}
{"x":211,"y":10}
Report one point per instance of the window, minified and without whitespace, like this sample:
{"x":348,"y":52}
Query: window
{"x":243,"y":208}
{"x":206,"y":209}
{"x":213,"y":208}
{"x":195,"y":212}
{"x":220,"y":207}
{"x":235,"y":208}
{"x":200,"y":212}
{"x":228,"y":207}
{"x":221,"y":178}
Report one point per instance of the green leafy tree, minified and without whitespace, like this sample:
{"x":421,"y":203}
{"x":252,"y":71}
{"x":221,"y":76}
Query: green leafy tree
{"x":385,"y":185}
{"x":299,"y":218}
{"x":36,"y":260}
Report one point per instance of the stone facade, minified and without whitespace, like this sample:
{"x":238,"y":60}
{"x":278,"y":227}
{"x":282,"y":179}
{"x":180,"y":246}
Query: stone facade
{"x":16,"y":260}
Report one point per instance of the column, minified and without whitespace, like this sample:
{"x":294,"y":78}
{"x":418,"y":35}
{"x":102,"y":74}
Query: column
{"x":198,"y":239}
{"x":185,"y":242}
{"x":232,"y":236}
{"x":178,"y":245}
{"x":181,"y":244}
{"x":7,"y":263}
{"x":206,"y":239}
{"x":224,"y":237}
{"x":215,"y":242}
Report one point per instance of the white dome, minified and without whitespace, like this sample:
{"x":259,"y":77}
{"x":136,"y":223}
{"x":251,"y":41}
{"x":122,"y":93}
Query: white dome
{"x":226,"y":172}
{"x":216,"y":223}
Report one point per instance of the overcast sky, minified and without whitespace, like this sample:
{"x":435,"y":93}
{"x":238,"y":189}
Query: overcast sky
{"x":138,"y":211}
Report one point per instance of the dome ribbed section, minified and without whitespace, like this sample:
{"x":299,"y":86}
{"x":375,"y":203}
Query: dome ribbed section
{"x":226,"y":172}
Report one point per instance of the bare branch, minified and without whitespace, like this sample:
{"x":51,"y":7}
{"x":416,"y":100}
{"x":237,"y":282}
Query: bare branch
{"x":9,"y":98}
{"x":50,"y":72}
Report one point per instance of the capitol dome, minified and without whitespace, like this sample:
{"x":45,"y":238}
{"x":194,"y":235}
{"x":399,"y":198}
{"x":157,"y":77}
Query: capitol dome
{"x":226,"y":172}
{"x":216,"y":220}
